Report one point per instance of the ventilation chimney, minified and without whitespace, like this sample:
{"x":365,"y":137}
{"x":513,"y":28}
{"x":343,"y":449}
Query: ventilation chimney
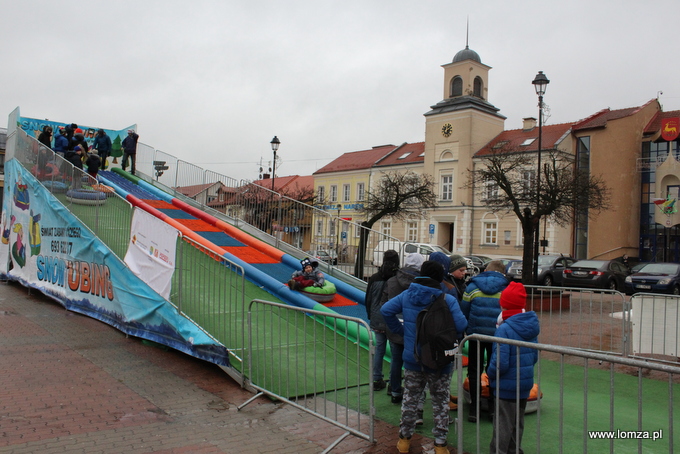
{"x":529,"y":123}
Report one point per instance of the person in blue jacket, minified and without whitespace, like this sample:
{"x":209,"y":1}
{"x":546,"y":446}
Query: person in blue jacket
{"x":102,"y":143}
{"x":481,"y":307}
{"x":514,"y":323}
{"x":421,"y":293}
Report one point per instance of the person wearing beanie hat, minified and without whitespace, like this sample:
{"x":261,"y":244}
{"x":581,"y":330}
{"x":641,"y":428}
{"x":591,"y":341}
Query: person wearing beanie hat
{"x":481,"y":307}
{"x":517,"y":324}
{"x":456,"y":277}
{"x":373,"y":302}
{"x":513,"y":301}
{"x":417,"y":378}
{"x":308,"y":276}
{"x":395,"y":285}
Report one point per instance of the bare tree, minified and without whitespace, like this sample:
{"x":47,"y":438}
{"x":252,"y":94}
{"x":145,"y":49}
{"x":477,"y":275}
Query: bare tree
{"x":400,"y":195}
{"x":505,"y":181}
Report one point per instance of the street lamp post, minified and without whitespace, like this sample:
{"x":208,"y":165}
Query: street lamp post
{"x":540,"y":83}
{"x":275,"y":146}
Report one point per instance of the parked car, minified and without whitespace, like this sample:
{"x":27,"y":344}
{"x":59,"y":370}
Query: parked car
{"x":655,"y":278}
{"x":509,"y":262}
{"x":479,"y":261}
{"x":550,"y":268}
{"x":604,"y":274}
{"x":405,"y":249}
{"x":329,"y":257}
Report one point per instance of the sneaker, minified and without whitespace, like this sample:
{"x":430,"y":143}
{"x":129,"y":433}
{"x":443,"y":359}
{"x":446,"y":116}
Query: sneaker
{"x":397,"y":399}
{"x":440,"y":449}
{"x":453,"y":406}
{"x":292,"y":284}
{"x":419,"y":419}
{"x":472,"y":417}
{"x":389,"y":388}
{"x":379,"y":385}
{"x":404,"y":444}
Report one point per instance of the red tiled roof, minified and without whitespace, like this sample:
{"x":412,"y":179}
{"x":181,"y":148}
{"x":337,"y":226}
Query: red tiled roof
{"x":600,"y":119}
{"x":192,"y":191}
{"x":408,"y":153}
{"x":292,"y":182}
{"x":654,"y":124}
{"x":514,"y":138}
{"x":356,"y":160}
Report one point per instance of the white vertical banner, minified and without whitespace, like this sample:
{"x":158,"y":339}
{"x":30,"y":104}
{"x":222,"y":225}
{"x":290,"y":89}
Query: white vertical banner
{"x":151,"y":253}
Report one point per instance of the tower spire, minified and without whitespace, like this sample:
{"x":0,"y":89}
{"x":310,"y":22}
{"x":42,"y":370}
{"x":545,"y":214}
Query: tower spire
{"x":467,"y":33}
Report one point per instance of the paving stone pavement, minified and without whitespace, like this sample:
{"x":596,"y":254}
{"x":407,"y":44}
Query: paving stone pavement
{"x":73,"y":384}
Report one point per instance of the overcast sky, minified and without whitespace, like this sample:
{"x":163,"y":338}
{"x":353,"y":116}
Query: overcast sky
{"x":212,"y":82}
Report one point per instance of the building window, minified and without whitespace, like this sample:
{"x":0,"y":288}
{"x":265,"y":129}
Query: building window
{"x":321,"y":194}
{"x":331,"y":227}
{"x":490,"y":190}
{"x":386,"y":228}
{"x":456,"y":86}
{"x":478,"y":86}
{"x":357,"y":230}
{"x":360,"y":192}
{"x":507,"y":236}
{"x":334,"y":193}
{"x":528,"y":181}
{"x":581,"y":224}
{"x":319,"y":227}
{"x":490,"y":232}
{"x":345,"y":193}
{"x":412,"y":231}
{"x":447,"y":187}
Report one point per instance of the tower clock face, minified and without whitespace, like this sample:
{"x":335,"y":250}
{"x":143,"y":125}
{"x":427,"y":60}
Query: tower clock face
{"x":447,"y":130}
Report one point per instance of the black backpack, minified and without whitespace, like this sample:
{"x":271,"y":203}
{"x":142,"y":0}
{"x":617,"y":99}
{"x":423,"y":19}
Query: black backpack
{"x":436,"y":335}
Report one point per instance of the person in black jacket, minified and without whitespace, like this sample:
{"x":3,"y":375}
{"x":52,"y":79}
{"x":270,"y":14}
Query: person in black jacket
{"x":130,"y":150}
{"x":102,"y":143}
{"x":373,"y":303}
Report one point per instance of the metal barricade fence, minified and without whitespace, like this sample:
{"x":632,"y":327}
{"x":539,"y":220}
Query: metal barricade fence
{"x":585,"y":402}
{"x":655,"y":322}
{"x":596,"y":320}
{"x":314,"y":361}
{"x":210,"y":290}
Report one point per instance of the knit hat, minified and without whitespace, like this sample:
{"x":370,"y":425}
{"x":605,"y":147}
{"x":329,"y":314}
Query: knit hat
{"x":513,"y":300}
{"x":414,"y":260}
{"x":442,"y":259}
{"x":457,"y":262}
{"x":392,"y":256}
{"x":304,"y":262}
{"x":432,"y":270}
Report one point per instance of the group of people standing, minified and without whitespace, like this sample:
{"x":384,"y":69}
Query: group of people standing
{"x":487,"y":304}
{"x":70,"y":144}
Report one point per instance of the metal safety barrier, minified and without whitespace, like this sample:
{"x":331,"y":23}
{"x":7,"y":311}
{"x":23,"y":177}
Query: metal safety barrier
{"x":314,"y":361}
{"x":586,"y":402}
{"x":655,"y":321}
{"x":595,"y":320}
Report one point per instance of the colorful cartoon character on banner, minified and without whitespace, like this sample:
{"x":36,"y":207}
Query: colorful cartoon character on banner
{"x":19,"y":249}
{"x":34,"y":238}
{"x":21,"y":197}
{"x":6,"y":229}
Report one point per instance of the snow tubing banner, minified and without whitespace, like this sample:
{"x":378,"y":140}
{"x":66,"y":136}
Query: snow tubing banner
{"x":46,"y":247}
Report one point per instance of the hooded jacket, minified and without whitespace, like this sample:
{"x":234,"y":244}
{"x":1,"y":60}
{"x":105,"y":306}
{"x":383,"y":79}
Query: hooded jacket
{"x":480,"y":303}
{"x":396,"y":285}
{"x":522,"y":327}
{"x":410,"y":302}
{"x":374,"y":292}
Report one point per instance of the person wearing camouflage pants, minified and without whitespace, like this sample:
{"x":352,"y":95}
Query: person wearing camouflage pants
{"x":415,"y":384}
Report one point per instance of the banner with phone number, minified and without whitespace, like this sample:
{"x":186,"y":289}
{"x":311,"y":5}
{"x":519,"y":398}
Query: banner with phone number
{"x":45,"y":247}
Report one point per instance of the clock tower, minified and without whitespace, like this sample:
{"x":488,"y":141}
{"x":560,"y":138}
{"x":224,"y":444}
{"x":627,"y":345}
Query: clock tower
{"x":455,"y":129}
